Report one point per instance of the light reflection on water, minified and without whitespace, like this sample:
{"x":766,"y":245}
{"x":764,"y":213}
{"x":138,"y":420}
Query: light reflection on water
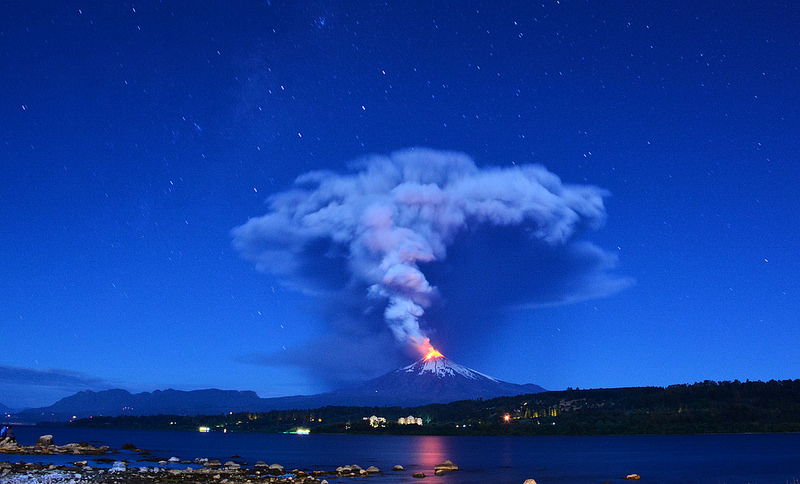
{"x":429,"y":451}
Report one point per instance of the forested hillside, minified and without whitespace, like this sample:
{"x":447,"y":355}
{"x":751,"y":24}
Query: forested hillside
{"x":772,"y":406}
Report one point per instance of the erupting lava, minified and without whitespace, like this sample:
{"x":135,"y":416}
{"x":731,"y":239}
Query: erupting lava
{"x":433,"y":353}
{"x":429,"y":351}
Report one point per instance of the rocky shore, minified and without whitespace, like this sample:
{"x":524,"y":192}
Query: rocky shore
{"x":121,"y":472}
{"x":147,"y":469}
{"x":45,"y":446}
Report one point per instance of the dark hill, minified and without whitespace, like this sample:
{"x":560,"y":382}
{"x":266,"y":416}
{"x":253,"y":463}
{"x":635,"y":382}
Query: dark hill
{"x":121,"y":402}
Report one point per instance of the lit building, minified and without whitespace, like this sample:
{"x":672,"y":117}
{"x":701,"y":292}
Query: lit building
{"x":410,"y":420}
{"x":376,"y":421}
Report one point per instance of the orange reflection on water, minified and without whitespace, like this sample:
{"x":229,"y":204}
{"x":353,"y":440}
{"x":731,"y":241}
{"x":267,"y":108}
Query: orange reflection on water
{"x":430,"y":451}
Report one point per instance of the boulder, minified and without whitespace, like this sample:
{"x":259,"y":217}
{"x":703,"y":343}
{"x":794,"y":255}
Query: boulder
{"x":398,"y":467}
{"x":276,"y":468}
{"x":418,"y":475}
{"x":633,"y":477}
{"x":372,"y":470}
{"x":45,"y":441}
{"x":8,"y":444}
{"x":212,"y":463}
{"x":529,"y":481}
{"x":173,"y":460}
{"x":446,"y":466}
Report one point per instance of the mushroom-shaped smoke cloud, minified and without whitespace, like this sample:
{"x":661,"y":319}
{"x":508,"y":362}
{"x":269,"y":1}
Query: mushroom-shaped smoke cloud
{"x":391,"y":217}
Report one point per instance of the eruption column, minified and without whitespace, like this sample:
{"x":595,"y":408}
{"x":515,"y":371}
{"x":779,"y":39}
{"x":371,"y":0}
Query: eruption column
{"x":394,"y":213}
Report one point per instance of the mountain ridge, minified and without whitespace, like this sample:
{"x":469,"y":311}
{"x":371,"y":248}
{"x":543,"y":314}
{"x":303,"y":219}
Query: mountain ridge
{"x":429,"y":380}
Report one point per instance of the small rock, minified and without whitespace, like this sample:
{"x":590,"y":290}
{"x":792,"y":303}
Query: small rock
{"x":45,"y":441}
{"x":372,"y":470}
{"x":81,"y":463}
{"x":418,"y":475}
{"x":174,"y":459}
{"x":212,"y":463}
{"x":529,"y":481}
{"x":398,"y":467}
{"x":633,"y":477}
{"x":276,"y":468}
{"x":438,"y":472}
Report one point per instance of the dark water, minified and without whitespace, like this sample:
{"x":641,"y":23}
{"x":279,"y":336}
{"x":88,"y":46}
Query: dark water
{"x":731,"y":459}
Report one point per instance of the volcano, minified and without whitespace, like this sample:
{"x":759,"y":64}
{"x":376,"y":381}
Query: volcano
{"x":433,"y":379}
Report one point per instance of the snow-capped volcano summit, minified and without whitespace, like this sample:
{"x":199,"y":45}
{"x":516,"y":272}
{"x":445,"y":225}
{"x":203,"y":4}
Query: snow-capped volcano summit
{"x":433,"y":379}
{"x":443,"y":368}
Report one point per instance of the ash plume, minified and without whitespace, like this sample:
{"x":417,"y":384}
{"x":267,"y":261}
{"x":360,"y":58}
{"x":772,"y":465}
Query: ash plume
{"x":372,"y":233}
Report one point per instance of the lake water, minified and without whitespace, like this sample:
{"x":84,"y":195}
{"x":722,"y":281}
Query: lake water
{"x":730,"y":459}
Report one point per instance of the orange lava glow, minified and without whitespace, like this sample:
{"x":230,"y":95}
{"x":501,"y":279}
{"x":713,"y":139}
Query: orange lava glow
{"x":428,"y":351}
{"x":432,"y":353}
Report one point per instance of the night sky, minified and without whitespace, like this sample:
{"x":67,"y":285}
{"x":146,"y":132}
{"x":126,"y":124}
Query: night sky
{"x":225,"y":195}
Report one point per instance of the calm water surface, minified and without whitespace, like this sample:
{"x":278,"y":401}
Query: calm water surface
{"x":731,"y":459}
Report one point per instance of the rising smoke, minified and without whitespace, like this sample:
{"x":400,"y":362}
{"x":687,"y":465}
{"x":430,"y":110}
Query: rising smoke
{"x":374,"y":232}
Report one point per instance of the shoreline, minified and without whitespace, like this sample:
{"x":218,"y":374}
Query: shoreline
{"x":121,"y":472}
{"x":105,"y":469}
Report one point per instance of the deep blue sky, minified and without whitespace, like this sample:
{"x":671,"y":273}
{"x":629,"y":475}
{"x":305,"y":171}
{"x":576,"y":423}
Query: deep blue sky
{"x":135,"y":136}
